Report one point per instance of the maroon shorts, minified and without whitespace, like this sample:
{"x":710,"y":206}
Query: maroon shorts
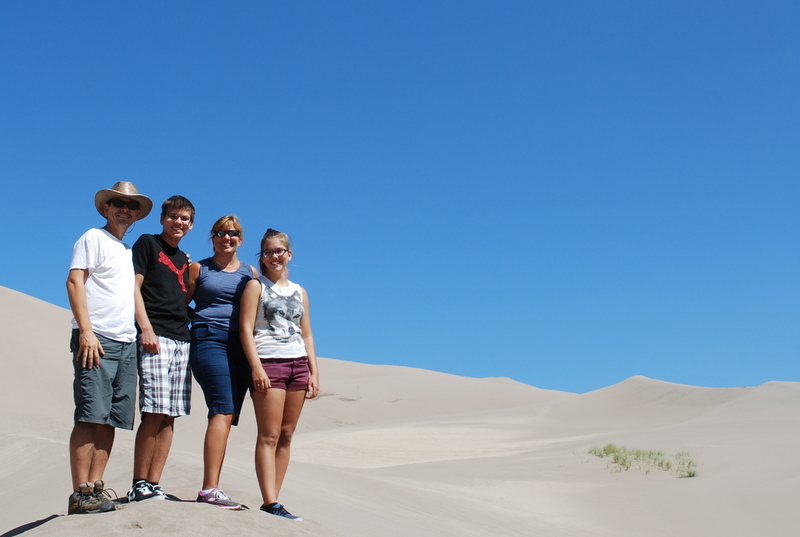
{"x":288,"y":374}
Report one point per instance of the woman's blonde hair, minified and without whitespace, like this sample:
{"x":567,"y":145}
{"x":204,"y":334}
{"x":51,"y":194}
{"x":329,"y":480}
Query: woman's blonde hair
{"x":225,"y":221}
{"x":229,"y":220}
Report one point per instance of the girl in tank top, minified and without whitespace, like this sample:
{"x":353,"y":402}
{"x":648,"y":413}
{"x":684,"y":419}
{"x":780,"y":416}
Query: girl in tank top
{"x":277,"y":341}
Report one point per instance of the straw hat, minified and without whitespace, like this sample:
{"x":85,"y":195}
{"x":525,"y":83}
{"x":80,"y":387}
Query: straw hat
{"x":123,"y":189}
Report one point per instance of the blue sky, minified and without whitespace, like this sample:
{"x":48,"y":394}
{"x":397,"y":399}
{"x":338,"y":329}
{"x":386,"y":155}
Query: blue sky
{"x":564,"y":193}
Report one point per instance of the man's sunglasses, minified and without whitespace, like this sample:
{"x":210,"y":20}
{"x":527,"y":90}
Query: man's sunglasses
{"x":119,"y":204}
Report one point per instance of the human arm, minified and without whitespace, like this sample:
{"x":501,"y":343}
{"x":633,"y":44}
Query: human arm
{"x":90,"y":350}
{"x":311,"y":351}
{"x":148,"y":338}
{"x":248,"y":308}
{"x":194,"y":272}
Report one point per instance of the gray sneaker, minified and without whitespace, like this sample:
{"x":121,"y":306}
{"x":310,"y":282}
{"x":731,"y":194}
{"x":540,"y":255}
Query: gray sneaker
{"x":216,"y":497}
{"x":88,"y":500}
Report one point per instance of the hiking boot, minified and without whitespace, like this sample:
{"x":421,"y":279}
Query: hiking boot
{"x":86,"y":500}
{"x":216,"y":497}
{"x":141,"y":490}
{"x":102,"y":493}
{"x":279,"y":510}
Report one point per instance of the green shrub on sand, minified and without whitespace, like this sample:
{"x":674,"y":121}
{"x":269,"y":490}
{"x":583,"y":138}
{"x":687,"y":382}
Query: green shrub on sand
{"x":625,"y":459}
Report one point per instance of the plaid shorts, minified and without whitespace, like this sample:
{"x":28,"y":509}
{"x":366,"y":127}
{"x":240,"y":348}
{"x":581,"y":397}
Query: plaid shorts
{"x":165,"y":379}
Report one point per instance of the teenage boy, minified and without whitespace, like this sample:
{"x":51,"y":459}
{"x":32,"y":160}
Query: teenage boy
{"x":165,"y":380}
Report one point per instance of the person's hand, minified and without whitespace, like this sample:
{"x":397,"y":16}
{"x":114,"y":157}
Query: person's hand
{"x":313,"y":386}
{"x":149,"y":341}
{"x":261,"y":380}
{"x":89,"y":351}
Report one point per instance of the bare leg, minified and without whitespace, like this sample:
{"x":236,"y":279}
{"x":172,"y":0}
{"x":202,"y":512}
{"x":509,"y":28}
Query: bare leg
{"x":215,"y":443}
{"x":89,"y":448}
{"x":269,"y":414}
{"x":103,"y":441}
{"x":291,"y":414}
{"x":161,"y":452}
{"x":277,"y":413}
{"x":153,"y":441}
{"x":81,"y":450}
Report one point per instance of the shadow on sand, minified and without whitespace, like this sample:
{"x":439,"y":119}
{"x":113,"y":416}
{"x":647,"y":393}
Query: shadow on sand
{"x":29,"y":526}
{"x":33,"y":525}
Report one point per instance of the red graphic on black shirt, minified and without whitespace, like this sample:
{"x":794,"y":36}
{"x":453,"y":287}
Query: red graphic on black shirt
{"x":162,"y":257}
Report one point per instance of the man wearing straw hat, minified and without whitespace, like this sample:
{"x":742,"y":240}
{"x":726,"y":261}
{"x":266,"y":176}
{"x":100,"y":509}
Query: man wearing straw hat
{"x":101,"y":287}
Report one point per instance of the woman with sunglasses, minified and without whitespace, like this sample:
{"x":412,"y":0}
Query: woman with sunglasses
{"x":218,"y":363}
{"x":277,"y":340}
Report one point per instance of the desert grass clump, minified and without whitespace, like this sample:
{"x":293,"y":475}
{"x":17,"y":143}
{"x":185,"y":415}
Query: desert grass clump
{"x":686,"y":465}
{"x":642,"y":459}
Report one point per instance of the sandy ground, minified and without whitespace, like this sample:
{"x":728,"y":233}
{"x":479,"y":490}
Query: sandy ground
{"x":395,"y":451}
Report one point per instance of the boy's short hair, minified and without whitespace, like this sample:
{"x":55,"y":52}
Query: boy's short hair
{"x":178,"y":203}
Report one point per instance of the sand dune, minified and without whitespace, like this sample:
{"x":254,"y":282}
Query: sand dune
{"x":395,"y":451}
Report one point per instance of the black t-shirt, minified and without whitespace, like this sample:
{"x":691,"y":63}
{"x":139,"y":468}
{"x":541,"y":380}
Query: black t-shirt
{"x":166,"y":275}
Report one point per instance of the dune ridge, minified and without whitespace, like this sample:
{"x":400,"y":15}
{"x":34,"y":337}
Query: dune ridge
{"x":397,"y":451}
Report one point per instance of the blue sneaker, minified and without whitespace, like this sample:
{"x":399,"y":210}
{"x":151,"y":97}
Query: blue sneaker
{"x":279,"y":510}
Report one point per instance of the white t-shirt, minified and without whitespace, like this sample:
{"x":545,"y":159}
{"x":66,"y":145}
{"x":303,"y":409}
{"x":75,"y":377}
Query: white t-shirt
{"x":110,"y":286}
